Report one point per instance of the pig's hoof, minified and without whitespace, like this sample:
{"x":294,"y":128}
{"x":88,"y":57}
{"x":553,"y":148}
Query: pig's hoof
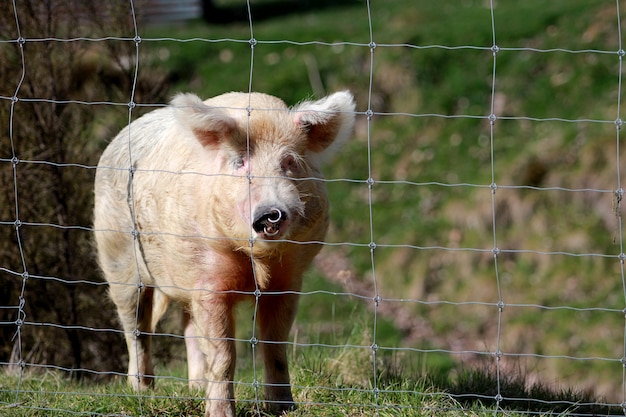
{"x":280,"y":408}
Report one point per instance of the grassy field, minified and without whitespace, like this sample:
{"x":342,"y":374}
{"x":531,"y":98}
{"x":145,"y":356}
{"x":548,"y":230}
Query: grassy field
{"x":335,"y":382}
{"x":562,"y":326}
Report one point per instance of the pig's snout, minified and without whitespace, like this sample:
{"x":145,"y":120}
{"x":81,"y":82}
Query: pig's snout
{"x":268,"y":221}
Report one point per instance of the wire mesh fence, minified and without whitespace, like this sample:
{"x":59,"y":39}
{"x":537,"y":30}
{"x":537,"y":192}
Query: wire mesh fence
{"x":475,"y":214}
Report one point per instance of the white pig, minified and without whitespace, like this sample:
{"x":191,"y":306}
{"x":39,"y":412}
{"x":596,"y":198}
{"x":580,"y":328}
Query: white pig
{"x":210,"y":203}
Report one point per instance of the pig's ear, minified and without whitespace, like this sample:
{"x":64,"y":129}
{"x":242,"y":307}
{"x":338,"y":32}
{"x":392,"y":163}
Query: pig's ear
{"x":327,"y":122}
{"x":210,"y":125}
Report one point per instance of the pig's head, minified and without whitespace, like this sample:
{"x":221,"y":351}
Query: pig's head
{"x":268,"y":156}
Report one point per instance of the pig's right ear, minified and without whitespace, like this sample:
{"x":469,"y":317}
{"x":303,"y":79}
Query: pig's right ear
{"x":210,"y":125}
{"x":327,"y":122}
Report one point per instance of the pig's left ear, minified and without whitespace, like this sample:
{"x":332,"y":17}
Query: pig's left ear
{"x":327,"y":122}
{"x":210,"y":125}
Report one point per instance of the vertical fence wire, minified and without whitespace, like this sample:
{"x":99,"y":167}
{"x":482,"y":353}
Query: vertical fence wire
{"x":257,"y":291}
{"x":619,"y":193}
{"x":370,"y":199}
{"x":21,"y":313}
{"x":493,"y":186}
{"x":138,"y":333}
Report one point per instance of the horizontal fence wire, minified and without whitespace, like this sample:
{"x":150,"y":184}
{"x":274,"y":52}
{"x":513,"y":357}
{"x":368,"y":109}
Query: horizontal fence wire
{"x":370,"y":292}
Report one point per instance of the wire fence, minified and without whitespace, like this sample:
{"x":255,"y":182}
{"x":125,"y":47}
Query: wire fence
{"x":363,"y":267}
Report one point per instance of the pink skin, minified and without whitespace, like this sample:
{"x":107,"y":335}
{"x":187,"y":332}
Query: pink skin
{"x":254,"y":198}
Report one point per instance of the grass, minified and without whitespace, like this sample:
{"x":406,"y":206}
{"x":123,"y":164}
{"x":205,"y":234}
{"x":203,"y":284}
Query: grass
{"x":333,"y":373}
{"x":334,"y":382}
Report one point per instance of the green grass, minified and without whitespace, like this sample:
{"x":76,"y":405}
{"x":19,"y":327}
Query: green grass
{"x":333,"y":373}
{"x":336,"y":382}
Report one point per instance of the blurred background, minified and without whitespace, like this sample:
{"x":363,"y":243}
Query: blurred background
{"x":553,"y":153}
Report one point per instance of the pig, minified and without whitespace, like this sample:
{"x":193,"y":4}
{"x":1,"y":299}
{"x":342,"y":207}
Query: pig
{"x":209,"y":203}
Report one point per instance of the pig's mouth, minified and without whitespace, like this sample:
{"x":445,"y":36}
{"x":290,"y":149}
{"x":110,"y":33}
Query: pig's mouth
{"x":269,"y":222}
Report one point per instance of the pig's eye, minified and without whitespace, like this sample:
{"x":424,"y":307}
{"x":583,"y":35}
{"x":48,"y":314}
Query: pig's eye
{"x":239,"y":161}
{"x":290,"y":165}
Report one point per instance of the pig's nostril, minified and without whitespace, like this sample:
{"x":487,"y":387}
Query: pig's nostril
{"x":274,"y":216}
{"x":269,"y":222}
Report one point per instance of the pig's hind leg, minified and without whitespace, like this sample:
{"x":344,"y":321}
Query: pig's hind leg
{"x":135,"y":309}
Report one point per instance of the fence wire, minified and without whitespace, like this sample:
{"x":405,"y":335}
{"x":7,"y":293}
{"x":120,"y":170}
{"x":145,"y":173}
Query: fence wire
{"x":371,"y":290}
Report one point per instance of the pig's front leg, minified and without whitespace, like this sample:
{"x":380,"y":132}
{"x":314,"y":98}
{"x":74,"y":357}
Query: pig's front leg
{"x":213,"y":319}
{"x":276,"y":315}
